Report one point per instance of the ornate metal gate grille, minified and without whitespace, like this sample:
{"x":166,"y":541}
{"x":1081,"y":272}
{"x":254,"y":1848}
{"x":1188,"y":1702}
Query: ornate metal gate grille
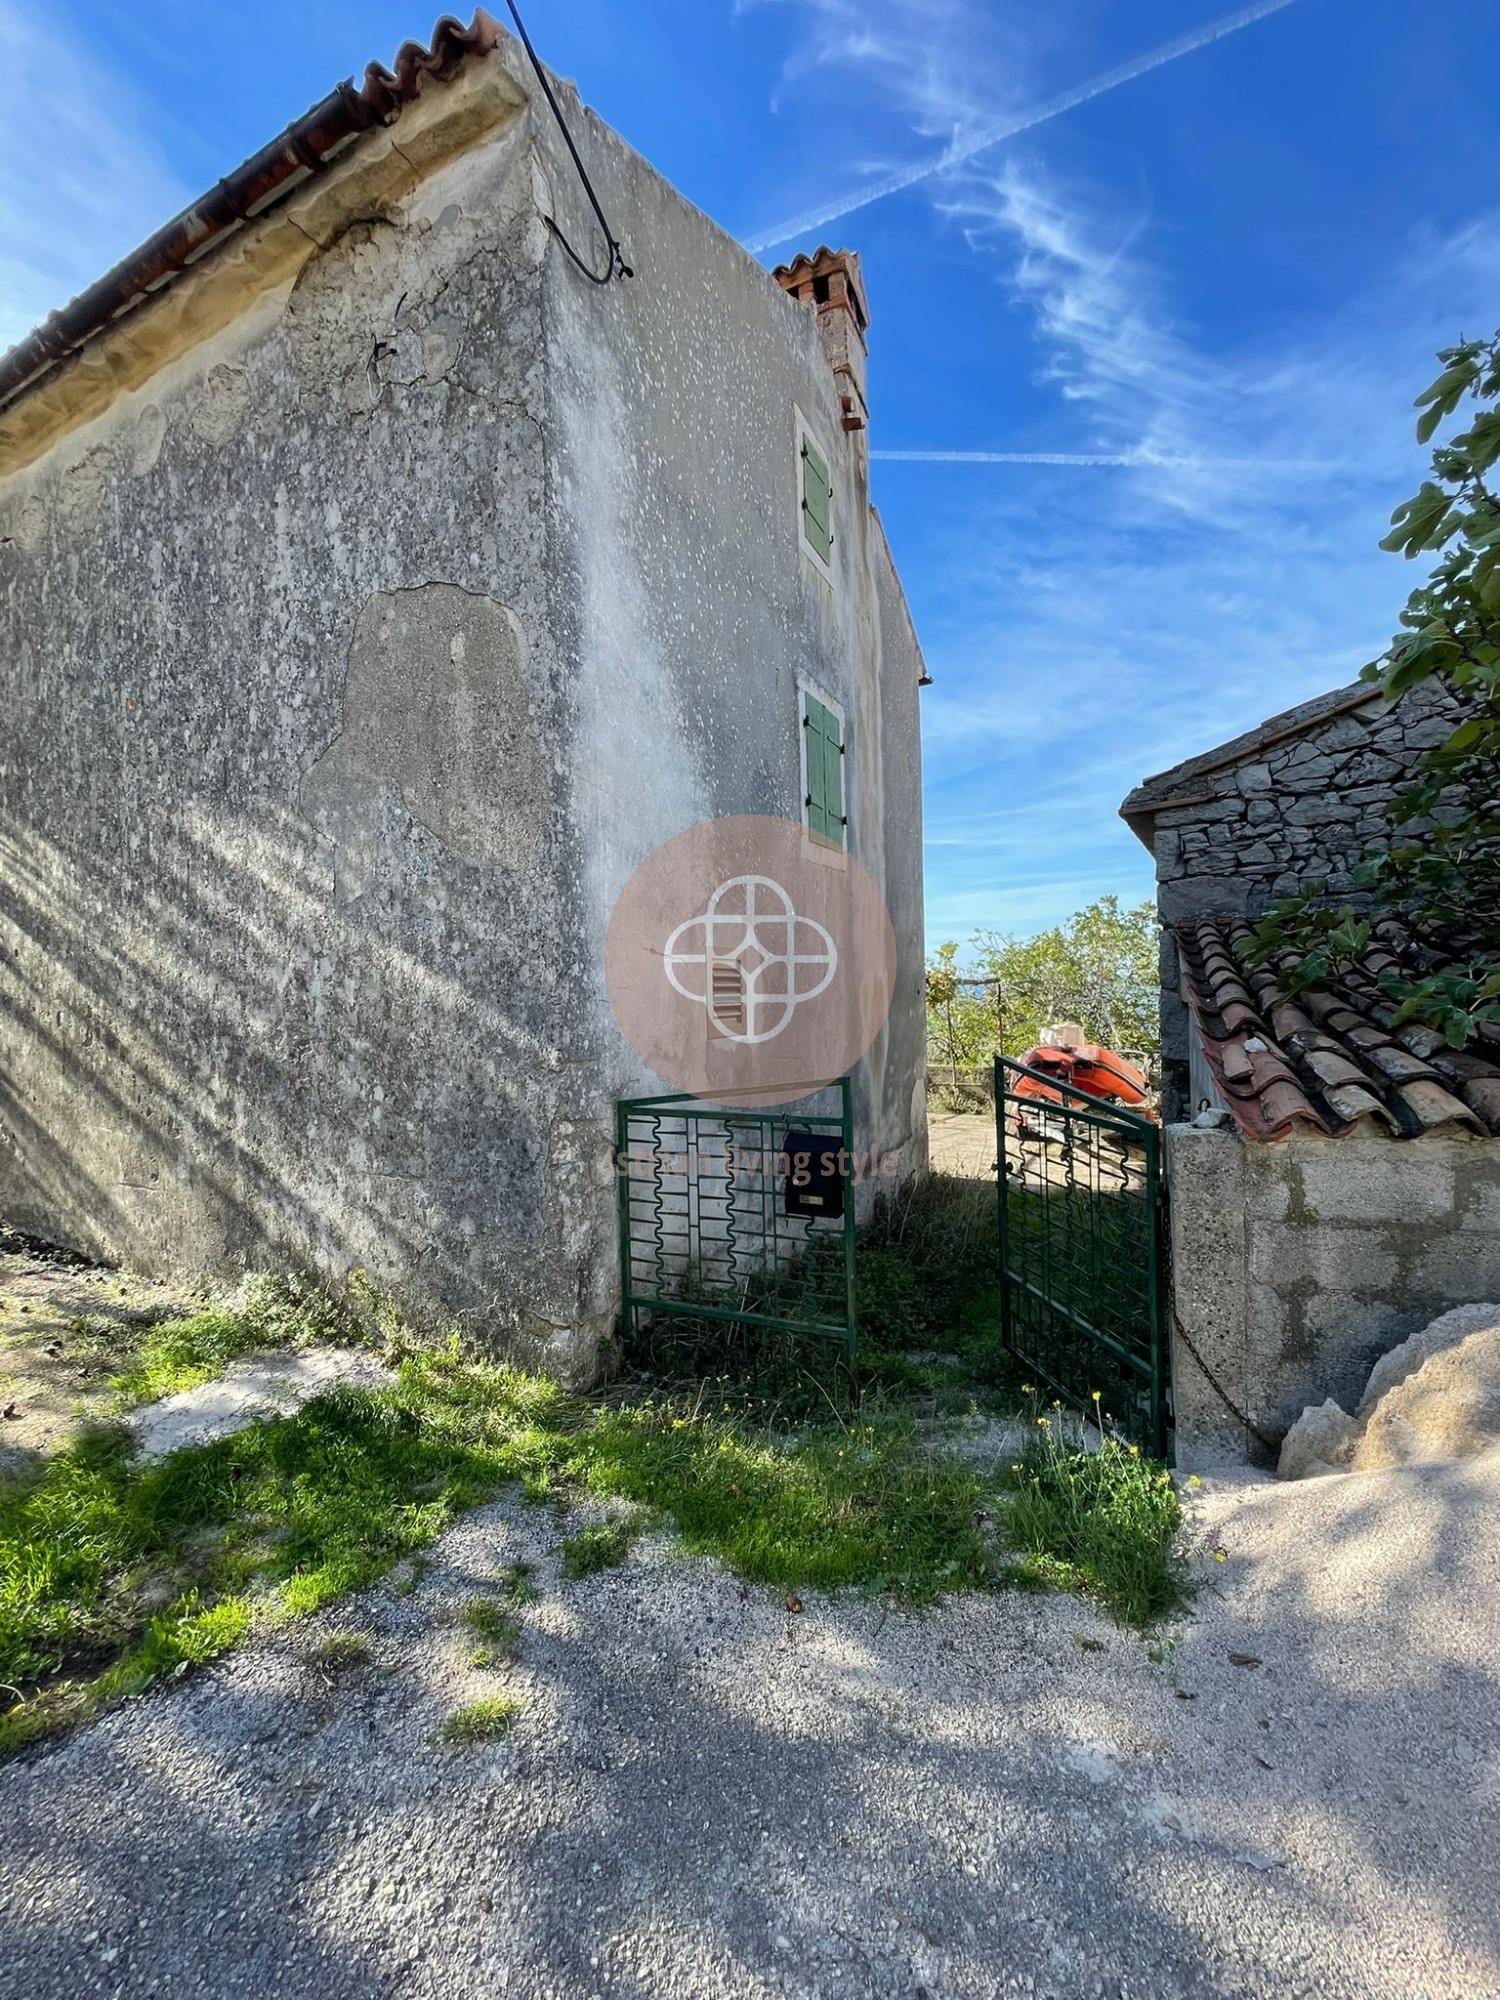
{"x":705,"y":1233}
{"x":1081,"y":1292}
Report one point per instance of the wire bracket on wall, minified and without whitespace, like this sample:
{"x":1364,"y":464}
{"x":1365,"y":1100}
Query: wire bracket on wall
{"x":617,"y":267}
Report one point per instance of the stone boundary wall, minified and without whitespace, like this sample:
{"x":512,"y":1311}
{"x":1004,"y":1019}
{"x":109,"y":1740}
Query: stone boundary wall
{"x":1306,"y":808}
{"x":1296,"y":1265}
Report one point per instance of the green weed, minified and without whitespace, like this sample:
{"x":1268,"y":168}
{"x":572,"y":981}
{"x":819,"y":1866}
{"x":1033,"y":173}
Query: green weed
{"x":1102,"y":1522}
{"x":265,"y":1316}
{"x":865,"y":1507}
{"x":340,"y":1653}
{"x":602,"y":1545}
{"x":930,"y":1251}
{"x":114,"y":1575}
{"x":496,"y":1632}
{"x":480,"y":1721}
{"x":927,"y":1283}
{"x":516,"y":1583}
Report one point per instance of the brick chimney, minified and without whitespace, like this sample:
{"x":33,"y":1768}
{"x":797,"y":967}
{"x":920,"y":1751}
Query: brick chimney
{"x":829,"y":284}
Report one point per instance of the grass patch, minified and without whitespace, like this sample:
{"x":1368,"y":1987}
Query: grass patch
{"x":929,"y":1253}
{"x":516,"y":1583}
{"x":340,"y":1653}
{"x":477,"y":1722}
{"x":601,"y":1545}
{"x":928,"y":1302}
{"x":409,"y":1577}
{"x":114,"y":1575}
{"x":1104,"y":1523}
{"x":496,"y":1634}
{"x":863,"y":1507}
{"x":265,"y":1316}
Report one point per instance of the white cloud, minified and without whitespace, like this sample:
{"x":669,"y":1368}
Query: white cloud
{"x":81,"y":178}
{"x":1200,"y":550}
{"x":926,"y":80}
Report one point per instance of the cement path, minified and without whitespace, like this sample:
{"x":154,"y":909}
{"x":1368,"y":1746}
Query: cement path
{"x":707,"y":1796}
{"x":961,"y":1142}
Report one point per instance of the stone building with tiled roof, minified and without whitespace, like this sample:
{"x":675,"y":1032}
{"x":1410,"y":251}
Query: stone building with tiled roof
{"x":1300,"y":798}
{"x":392,"y":559}
{"x":1335,"y":1173}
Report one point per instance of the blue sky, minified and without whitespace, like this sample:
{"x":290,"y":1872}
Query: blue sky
{"x":1230,"y":270}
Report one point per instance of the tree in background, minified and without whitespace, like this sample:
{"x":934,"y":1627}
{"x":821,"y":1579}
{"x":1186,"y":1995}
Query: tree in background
{"x":1439,"y":869}
{"x":960,"y":1015}
{"x":1099,"y":969}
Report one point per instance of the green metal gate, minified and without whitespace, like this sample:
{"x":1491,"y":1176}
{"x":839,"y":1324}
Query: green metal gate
{"x":1081,"y":1291}
{"x":710,"y":1233}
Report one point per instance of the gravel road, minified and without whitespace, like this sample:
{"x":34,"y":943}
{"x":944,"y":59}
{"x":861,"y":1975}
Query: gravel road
{"x":706,"y":1796}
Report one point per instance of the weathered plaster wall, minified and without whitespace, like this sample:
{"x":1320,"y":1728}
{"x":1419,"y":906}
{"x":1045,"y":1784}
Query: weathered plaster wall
{"x":689,"y":607}
{"x":354,"y":655}
{"x":1297,"y":1264}
{"x":1308,"y":807}
{"x":283,"y":883}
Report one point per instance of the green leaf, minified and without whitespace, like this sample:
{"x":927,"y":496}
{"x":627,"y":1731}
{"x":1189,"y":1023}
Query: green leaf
{"x":1443,"y":396}
{"x":1415,"y":523}
{"x":1466,"y":734}
{"x":1480,"y":444}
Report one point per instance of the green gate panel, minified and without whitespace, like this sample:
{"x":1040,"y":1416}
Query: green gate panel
{"x":1082,"y":1302}
{"x":707,"y":1233}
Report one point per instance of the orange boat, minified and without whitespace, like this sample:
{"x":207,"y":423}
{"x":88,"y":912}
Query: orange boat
{"x":1072,"y":1064}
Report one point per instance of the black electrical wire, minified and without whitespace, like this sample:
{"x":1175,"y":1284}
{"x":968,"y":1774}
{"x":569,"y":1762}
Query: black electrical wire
{"x":618,"y":268}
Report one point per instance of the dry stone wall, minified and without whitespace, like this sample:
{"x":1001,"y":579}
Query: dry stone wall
{"x":1304,"y":809}
{"x":1241,"y":827}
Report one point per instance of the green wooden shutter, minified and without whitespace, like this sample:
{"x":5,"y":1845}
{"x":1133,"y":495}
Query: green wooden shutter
{"x":824,"y":801}
{"x":813,"y":713}
{"x":817,"y":494}
{"x":833,"y":779}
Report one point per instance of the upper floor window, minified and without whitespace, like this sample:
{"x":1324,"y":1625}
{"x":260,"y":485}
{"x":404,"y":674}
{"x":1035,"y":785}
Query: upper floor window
{"x":823,"y":805}
{"x":815,"y":499}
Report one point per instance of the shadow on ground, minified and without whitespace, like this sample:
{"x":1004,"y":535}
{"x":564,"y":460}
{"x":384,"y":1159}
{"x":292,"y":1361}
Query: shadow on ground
{"x":706,"y":1795}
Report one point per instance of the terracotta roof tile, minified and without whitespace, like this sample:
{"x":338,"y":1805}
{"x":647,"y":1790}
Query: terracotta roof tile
{"x":1331,"y":1060}
{"x":304,"y":149}
{"x":1283,"y":1106}
{"x":1483,"y":1096}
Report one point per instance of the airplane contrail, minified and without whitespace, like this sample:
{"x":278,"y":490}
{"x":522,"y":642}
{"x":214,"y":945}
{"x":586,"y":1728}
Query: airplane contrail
{"x":1013,"y":457}
{"x":1136,"y":459}
{"x":991,"y":135}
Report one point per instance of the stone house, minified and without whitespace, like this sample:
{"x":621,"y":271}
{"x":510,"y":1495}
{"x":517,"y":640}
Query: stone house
{"x":377,"y":592}
{"x":1334,"y":1178}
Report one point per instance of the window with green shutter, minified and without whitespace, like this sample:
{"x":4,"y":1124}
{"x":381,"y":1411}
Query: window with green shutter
{"x":823,"y":761}
{"x":817,"y":501}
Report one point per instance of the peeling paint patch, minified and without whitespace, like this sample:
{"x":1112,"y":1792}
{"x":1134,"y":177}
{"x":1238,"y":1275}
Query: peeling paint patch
{"x":436,"y":713}
{"x":81,"y":488}
{"x":146,"y":441}
{"x":221,"y":408}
